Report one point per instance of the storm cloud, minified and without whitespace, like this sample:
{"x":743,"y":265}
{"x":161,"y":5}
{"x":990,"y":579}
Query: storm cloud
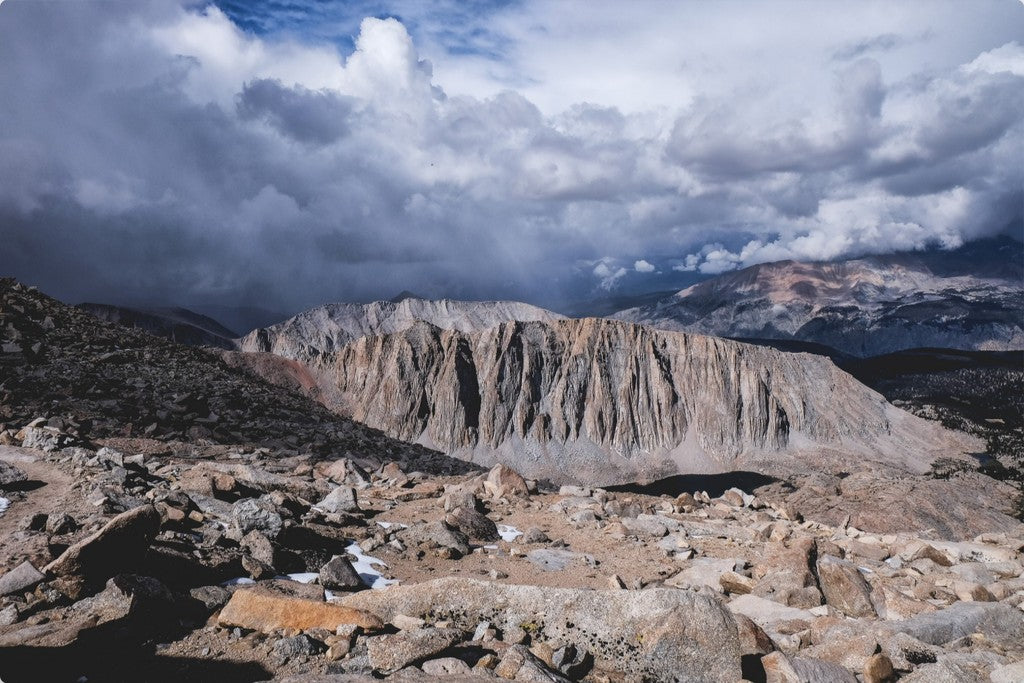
{"x":172,"y":153}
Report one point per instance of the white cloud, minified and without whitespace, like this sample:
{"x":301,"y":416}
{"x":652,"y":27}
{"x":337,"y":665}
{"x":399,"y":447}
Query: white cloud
{"x":196,"y":148}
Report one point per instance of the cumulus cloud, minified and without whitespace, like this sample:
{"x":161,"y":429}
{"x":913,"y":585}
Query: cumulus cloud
{"x":166,"y":153}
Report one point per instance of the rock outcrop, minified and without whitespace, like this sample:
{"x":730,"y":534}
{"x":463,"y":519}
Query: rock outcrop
{"x":601,"y":401}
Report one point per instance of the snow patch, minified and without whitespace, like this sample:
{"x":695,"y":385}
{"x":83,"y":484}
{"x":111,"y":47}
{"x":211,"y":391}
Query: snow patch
{"x":508,"y":533}
{"x":240,"y":581}
{"x":388,"y":525}
{"x":366,"y":567}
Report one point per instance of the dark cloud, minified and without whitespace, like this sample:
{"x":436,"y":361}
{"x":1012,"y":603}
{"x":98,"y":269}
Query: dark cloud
{"x":156,"y":153}
{"x":304,"y":115}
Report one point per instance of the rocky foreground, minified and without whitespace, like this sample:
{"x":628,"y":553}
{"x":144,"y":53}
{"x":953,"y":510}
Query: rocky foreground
{"x":128,"y":566}
{"x":165,"y":515}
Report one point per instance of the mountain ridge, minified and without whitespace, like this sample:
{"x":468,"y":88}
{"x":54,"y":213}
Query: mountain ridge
{"x":595,"y":400}
{"x":863,"y":306}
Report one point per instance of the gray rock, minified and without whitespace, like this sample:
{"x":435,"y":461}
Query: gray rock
{"x":534,"y":535}
{"x":10,"y":475}
{"x":257,"y":514}
{"x":685,"y":635}
{"x":445,"y":667}
{"x":437,"y":534}
{"x":115,"y":548}
{"x":259,"y":547}
{"x":780,"y":668}
{"x":472,"y":523}
{"x":60,"y":524}
{"x":21,"y":578}
{"x":341,"y":499}
{"x":520,"y":664}
{"x":47,"y":439}
{"x":998,"y":622}
{"x":844,"y":587}
{"x":298,"y":646}
{"x":9,"y":615}
{"x":146,"y":600}
{"x":211,"y":597}
{"x":555,"y":560}
{"x":340,"y":575}
{"x":392,"y":652}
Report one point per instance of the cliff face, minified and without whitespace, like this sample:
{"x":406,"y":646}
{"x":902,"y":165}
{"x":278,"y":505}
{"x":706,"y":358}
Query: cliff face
{"x":327,"y":328}
{"x":600,"y":401}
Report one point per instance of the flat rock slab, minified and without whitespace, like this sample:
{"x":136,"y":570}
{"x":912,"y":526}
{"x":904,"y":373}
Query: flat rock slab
{"x":765,"y":612}
{"x":661,"y":634}
{"x":398,"y":650}
{"x":553,"y":559}
{"x":996,"y":621}
{"x":263,"y":610}
{"x":21,"y":578}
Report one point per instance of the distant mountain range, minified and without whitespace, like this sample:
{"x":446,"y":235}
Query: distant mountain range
{"x":968,"y":298}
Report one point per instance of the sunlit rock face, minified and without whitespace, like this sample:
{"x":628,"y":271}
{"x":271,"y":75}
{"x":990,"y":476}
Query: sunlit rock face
{"x":592,"y":400}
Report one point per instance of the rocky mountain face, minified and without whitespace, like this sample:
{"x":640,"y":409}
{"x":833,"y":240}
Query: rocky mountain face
{"x":600,"y":401}
{"x":327,"y":328}
{"x":165,"y":515}
{"x":97,"y":380}
{"x":970,"y":298}
{"x":177,"y":324}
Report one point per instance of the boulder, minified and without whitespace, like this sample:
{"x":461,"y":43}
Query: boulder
{"x":438,"y":535}
{"x":298,"y":646}
{"x":472,"y":523}
{"x":341,"y":499}
{"x":505,"y":481}
{"x":340,"y":575}
{"x":703,"y":572}
{"x":555,"y":559}
{"x":780,"y":668}
{"x":661,"y":634}
{"x":766,"y":613}
{"x":265,"y":610}
{"x":23,"y":577}
{"x":519,"y":664}
{"x":878,"y":669}
{"x":256,"y":514}
{"x":844,"y":587}
{"x":11,"y":476}
{"x":996,"y":621}
{"x":392,"y":652}
{"x":118,"y":547}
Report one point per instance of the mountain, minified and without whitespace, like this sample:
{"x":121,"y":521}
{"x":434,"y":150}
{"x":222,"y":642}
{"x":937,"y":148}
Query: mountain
{"x":969,"y":298}
{"x":105,"y":381}
{"x":591,"y":400}
{"x":177,"y":324}
{"x":330,"y":327}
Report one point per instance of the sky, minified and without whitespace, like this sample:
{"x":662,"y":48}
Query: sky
{"x":285,"y":153}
